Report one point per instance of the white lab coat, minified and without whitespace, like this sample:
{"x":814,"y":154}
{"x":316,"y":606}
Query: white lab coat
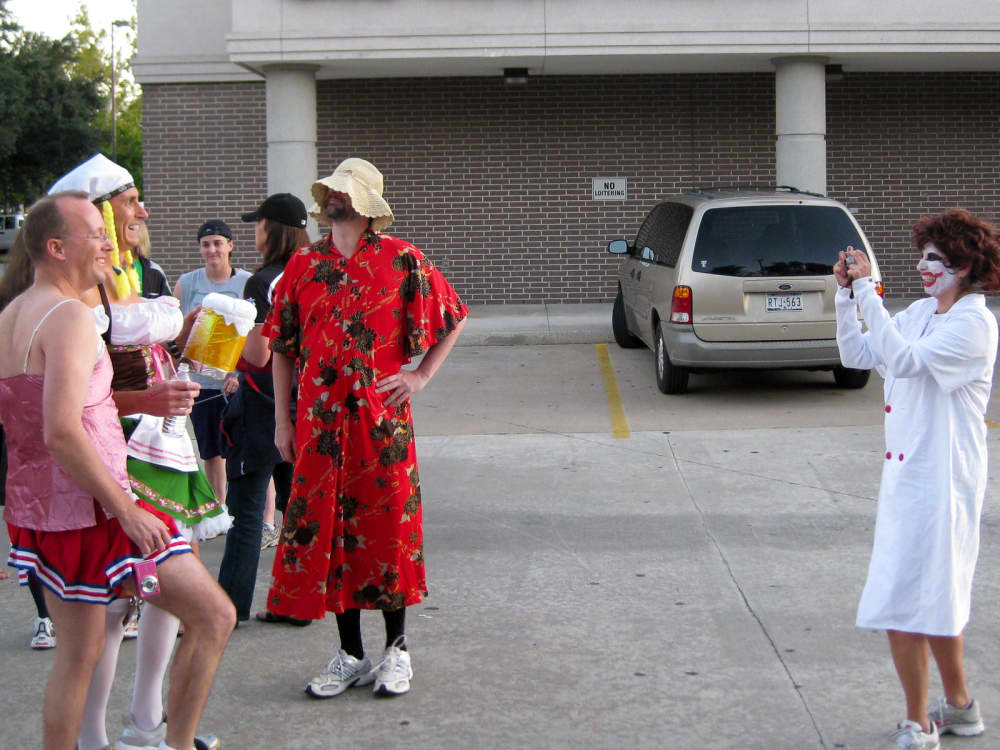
{"x":938,"y":372}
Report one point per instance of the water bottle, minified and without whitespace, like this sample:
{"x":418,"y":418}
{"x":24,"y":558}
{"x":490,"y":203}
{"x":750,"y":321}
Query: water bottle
{"x":176,"y":425}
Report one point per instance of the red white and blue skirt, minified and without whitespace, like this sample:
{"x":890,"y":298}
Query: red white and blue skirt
{"x":86,"y":565}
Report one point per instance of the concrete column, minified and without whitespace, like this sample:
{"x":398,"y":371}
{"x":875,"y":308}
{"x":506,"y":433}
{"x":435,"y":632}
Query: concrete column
{"x":800,"y":106}
{"x":291,"y":131}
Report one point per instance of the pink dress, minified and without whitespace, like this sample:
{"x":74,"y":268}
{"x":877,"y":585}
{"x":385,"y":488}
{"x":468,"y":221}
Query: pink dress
{"x":57,"y":530}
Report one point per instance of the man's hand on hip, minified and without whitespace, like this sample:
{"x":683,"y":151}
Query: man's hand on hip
{"x":400,"y":386}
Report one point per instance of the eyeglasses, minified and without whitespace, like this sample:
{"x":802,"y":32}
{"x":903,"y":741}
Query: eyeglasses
{"x":99,"y":236}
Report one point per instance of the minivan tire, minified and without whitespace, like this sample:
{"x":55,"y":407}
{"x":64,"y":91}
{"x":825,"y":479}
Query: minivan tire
{"x":669,"y":377}
{"x":847,"y":377}
{"x":619,"y":326}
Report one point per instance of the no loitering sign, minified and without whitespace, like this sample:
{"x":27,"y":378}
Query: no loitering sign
{"x":610,"y":188}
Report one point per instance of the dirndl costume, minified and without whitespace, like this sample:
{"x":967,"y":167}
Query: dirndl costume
{"x":162,"y":468}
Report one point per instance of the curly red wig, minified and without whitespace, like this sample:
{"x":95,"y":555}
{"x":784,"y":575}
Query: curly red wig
{"x":967,"y":241}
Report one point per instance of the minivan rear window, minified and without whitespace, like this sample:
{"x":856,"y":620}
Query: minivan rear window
{"x":785,"y":240}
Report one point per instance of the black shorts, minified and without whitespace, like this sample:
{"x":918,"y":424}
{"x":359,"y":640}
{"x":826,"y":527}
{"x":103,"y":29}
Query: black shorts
{"x":205,"y":417}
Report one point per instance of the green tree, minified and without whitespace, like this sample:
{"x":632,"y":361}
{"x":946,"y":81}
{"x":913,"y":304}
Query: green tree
{"x":94,"y":62}
{"x":9,"y":27}
{"x":12,"y":83}
{"x":130,"y":139}
{"x":47,"y":112}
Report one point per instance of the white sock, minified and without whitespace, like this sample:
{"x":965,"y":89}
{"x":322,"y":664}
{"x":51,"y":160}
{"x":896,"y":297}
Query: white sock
{"x":164,"y":746}
{"x":154,"y":646}
{"x":93,"y":731}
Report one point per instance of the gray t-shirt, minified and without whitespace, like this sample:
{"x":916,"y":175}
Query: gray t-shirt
{"x":194,"y":286}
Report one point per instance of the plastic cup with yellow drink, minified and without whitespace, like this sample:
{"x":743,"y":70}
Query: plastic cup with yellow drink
{"x":218,"y":334}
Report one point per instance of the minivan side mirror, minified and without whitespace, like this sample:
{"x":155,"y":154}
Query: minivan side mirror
{"x":618,"y":247}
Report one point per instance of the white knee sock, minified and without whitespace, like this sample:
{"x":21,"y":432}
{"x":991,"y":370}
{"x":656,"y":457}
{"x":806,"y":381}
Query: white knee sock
{"x":154,"y":646}
{"x":93,"y":731}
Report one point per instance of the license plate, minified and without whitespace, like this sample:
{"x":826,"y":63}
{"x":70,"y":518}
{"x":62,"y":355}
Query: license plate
{"x":783,"y":303}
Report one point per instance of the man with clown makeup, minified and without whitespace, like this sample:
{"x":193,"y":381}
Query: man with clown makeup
{"x":937,"y":359}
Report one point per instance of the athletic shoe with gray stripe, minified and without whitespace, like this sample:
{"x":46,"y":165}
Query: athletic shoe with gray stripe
{"x":965,"y":722}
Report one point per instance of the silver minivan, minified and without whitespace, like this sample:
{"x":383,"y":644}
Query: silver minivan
{"x":719,"y":279}
{"x":9,"y":224}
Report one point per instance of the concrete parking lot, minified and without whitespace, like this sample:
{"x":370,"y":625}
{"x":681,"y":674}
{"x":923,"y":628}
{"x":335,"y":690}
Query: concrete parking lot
{"x":691,"y":585}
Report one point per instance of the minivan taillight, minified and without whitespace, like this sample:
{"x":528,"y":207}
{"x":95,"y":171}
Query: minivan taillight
{"x":680,"y":308}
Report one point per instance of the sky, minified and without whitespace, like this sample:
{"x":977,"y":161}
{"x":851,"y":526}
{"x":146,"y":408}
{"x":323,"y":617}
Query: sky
{"x":51,"y":17}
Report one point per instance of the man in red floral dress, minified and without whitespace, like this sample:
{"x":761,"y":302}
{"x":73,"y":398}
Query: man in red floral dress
{"x":352,"y":309}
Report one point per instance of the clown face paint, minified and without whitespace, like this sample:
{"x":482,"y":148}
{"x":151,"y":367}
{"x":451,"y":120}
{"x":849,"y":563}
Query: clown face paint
{"x":938,"y":278}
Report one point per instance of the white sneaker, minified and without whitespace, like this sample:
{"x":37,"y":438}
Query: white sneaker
{"x":201,"y":742}
{"x":910,"y":736}
{"x":965,"y":722}
{"x":134,"y":738}
{"x":393,"y":673}
{"x":45,"y":634}
{"x":132,"y":622}
{"x":269,"y":536}
{"x":207,"y":742}
{"x":343,"y":671}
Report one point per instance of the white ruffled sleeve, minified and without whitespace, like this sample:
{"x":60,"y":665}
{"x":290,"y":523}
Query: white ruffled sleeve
{"x":100,"y":320}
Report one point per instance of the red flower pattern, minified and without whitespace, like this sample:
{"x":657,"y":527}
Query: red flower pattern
{"x":353,"y":533}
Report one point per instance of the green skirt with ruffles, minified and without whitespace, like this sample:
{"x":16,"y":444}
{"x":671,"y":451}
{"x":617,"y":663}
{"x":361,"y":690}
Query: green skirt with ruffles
{"x":186,"y":496}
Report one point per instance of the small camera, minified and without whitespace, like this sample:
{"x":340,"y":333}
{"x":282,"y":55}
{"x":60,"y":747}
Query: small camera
{"x":849,"y":260}
{"x":147,"y":582}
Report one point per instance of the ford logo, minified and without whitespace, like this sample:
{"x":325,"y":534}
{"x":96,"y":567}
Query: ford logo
{"x":784,"y":287}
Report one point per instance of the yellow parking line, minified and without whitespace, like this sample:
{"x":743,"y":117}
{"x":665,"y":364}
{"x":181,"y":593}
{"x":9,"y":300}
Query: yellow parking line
{"x":619,"y":425}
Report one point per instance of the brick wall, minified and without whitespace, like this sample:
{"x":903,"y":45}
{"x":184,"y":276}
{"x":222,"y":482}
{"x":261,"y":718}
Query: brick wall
{"x":901,"y":146}
{"x":494,"y":181}
{"x":204,"y":157}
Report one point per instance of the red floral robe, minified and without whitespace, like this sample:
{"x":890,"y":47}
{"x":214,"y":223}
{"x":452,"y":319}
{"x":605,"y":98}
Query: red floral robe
{"x":353,"y":533}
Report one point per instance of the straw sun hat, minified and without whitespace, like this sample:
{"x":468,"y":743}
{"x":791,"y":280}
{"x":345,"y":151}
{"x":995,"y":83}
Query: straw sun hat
{"x":360,"y":180}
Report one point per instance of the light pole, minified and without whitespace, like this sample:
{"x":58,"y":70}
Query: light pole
{"x":114,"y":93}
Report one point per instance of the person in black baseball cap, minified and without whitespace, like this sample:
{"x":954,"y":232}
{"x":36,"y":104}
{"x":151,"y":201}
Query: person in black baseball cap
{"x":215,"y":227}
{"x":283,"y":208}
{"x":280,"y":228}
{"x":279,"y":231}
